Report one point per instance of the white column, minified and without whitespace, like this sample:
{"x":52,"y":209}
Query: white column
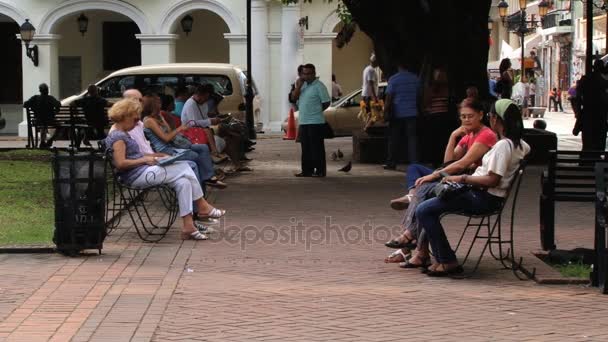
{"x":318,"y":50}
{"x":47,"y":70}
{"x":275,"y":82}
{"x":157,"y":49}
{"x":237,"y":44}
{"x":290,"y":16}
{"x":260,"y":56}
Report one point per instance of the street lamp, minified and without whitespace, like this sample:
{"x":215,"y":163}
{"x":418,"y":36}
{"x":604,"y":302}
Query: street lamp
{"x":187,"y":23}
{"x":27,"y":35}
{"x":83,"y":23}
{"x":524,"y":25}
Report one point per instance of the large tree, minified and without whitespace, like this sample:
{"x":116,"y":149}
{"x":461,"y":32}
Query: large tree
{"x":429,"y":33}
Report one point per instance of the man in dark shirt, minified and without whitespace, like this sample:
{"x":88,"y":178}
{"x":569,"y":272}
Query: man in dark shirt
{"x":592,"y":103}
{"x":44,"y":107}
{"x":93,"y":106}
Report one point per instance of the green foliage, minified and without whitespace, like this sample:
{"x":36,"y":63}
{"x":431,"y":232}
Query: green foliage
{"x":343,"y":12}
{"x":574,"y":270}
{"x":26,"y":201}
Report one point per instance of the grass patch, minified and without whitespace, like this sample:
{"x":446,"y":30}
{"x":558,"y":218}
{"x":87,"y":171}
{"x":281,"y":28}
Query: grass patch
{"x":26,"y":155}
{"x":574,"y":270}
{"x":26,"y":198}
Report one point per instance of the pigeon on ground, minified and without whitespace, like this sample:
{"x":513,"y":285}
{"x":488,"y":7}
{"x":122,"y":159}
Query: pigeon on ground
{"x":334,"y":156}
{"x":340,"y":154}
{"x":347,"y":167}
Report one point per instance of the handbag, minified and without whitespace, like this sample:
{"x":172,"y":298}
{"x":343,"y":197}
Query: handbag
{"x":449,"y":190}
{"x":180,"y":141}
{"x":196,"y":135}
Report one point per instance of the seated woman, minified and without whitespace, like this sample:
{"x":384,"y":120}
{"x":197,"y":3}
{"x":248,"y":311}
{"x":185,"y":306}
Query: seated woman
{"x":466,"y":147}
{"x":489,"y":184}
{"x":140,"y":171}
{"x":161,"y":136}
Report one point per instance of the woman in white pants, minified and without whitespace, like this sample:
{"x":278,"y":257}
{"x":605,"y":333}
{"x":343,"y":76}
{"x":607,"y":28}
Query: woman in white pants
{"x":138,"y":170}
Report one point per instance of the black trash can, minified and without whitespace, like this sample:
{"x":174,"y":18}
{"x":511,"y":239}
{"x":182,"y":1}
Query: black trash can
{"x":79,"y":191}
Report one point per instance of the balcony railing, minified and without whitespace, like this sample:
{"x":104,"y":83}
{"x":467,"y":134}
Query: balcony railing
{"x":557,"y":18}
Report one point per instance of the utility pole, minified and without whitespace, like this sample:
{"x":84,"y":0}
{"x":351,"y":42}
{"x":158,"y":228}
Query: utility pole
{"x":249,"y":91}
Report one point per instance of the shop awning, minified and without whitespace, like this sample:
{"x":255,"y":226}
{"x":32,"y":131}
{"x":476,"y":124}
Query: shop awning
{"x":529,"y":44}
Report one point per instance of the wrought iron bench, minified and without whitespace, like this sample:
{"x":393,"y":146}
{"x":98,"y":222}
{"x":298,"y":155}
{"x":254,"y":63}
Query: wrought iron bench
{"x":570,"y":177}
{"x":140,"y":204}
{"x":68,"y":117}
{"x":599,"y":275}
{"x":493,"y":232}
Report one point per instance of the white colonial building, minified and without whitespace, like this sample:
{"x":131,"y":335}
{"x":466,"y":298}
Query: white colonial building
{"x":133,"y":32}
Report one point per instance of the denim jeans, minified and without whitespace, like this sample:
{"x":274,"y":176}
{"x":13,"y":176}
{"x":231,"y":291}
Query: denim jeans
{"x":415,"y":171}
{"x":429,"y":214}
{"x":199,"y":154}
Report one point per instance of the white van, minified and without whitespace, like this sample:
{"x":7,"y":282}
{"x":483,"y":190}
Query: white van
{"x":228,"y":81}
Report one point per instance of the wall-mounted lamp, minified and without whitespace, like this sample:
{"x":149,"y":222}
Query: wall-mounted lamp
{"x":303,"y":22}
{"x":187,"y":23}
{"x":27,"y":35}
{"x":83,"y":24}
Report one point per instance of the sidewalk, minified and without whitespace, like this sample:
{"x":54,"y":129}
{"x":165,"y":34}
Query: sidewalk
{"x":268,"y":278}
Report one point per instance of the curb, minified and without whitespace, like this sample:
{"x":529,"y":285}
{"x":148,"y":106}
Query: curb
{"x":547,"y":275}
{"x":27,"y":250}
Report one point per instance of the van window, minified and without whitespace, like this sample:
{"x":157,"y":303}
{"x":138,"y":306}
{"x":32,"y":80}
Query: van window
{"x":115,"y":86}
{"x":220,"y":83}
{"x":159,"y":84}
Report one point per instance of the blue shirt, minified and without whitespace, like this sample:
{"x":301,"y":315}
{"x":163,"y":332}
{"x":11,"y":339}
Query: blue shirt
{"x":403,"y":87}
{"x":132,"y":152}
{"x":492,"y":85}
{"x":179,"y":106}
{"x":310,"y":103}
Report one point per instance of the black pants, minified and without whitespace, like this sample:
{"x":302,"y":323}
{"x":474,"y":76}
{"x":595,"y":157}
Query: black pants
{"x":555,"y":101}
{"x":312,"y":138}
{"x":594,"y":136}
{"x":398,"y":130}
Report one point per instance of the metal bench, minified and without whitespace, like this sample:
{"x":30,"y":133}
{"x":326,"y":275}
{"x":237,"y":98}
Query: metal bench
{"x":142,"y":205}
{"x":599,"y":275}
{"x":69,"y":118}
{"x":570,"y":177}
{"x":488,"y":228}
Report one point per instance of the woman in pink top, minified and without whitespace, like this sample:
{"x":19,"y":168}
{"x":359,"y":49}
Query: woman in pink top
{"x":466,"y":147}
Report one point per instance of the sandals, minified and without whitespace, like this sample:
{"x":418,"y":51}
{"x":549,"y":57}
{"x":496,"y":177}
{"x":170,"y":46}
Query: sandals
{"x":216,"y":183}
{"x":394,"y":243}
{"x":445,"y":272}
{"x":214,"y":213}
{"x":204,"y":229}
{"x":397,"y":256}
{"x":409,"y":264}
{"x":196,"y":235}
{"x":401,"y":203}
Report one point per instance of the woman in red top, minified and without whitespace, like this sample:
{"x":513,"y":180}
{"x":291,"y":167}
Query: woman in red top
{"x":466,"y":147}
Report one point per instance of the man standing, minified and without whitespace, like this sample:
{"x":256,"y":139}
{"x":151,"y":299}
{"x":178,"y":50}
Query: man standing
{"x":312,"y":99}
{"x":370,"y":83}
{"x":401,"y":107}
{"x":44,"y":107}
{"x":592,"y":106}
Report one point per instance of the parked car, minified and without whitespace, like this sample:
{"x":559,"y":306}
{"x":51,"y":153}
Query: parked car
{"x":228,"y":81}
{"x":342,"y":114}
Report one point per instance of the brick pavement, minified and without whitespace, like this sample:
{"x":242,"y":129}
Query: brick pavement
{"x":260,"y":281}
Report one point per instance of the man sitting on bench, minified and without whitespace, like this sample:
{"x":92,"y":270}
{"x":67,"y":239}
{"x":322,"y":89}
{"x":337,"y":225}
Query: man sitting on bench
{"x":44,"y":108}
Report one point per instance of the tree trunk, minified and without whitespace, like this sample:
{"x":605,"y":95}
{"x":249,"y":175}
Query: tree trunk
{"x":426,"y":34}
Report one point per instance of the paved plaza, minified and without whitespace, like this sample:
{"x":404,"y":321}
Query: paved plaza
{"x":298,"y":260}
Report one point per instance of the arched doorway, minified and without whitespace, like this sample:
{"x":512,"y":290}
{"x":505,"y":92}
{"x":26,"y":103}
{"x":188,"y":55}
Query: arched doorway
{"x":11,"y":96}
{"x":350,"y":60}
{"x":206,"y":42}
{"x":108,"y":45}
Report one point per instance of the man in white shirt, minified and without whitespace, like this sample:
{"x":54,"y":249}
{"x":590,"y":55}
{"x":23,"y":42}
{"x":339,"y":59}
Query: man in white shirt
{"x":195,"y":113}
{"x":336,"y":89}
{"x":370,"y":83}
